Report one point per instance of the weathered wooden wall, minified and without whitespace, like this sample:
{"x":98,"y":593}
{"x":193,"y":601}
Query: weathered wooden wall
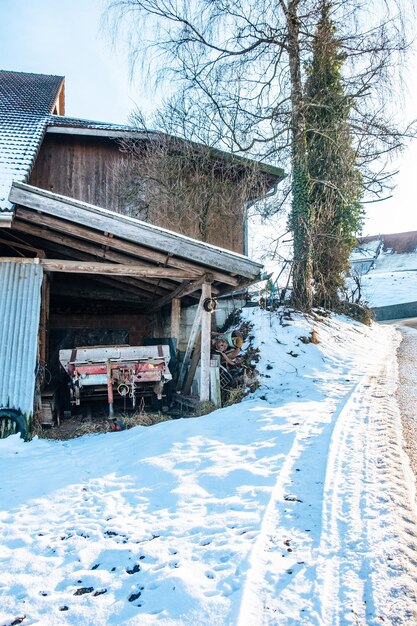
{"x":79,"y":167}
{"x":88,"y":169}
{"x":98,"y":329}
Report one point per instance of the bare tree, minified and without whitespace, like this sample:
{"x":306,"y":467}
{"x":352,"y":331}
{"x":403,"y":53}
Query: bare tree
{"x":240,"y":70}
{"x":187,"y":187}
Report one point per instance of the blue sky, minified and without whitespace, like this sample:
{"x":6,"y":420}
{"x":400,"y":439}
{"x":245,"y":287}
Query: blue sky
{"x":65,"y":37}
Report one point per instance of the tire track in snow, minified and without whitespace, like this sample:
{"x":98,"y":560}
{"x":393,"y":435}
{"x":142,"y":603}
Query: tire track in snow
{"x":368,"y":521}
{"x":259,"y":591}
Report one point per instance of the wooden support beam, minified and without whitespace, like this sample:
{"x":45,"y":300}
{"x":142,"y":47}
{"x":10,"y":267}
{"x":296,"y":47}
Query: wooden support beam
{"x":175,"y":293}
{"x":195,"y":329}
{"x":84,"y":248}
{"x":118,"y":244}
{"x":205,"y":346}
{"x":140,"y":285}
{"x":18,"y":259}
{"x":186,"y":288}
{"x":86,"y":267}
{"x":194,"y":361}
{"x":175,"y":318}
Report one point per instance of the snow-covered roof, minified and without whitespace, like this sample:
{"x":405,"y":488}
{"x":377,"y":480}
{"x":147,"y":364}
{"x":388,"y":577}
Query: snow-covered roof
{"x":60,"y":122}
{"x":365,"y":251}
{"x":388,"y":266}
{"x":26,"y":102}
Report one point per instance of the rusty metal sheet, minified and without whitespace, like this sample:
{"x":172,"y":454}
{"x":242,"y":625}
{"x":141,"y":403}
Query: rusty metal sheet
{"x":20,"y":305}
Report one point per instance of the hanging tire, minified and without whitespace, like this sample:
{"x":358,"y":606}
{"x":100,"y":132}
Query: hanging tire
{"x":12,"y":422}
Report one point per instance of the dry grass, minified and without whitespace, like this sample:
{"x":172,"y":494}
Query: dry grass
{"x":72,"y":428}
{"x":235,"y":395}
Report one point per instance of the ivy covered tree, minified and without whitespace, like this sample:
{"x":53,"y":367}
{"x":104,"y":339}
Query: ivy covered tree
{"x":334,"y":182}
{"x":245,"y":76}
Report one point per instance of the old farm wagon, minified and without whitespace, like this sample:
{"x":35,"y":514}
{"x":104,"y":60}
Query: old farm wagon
{"x":92,"y":300}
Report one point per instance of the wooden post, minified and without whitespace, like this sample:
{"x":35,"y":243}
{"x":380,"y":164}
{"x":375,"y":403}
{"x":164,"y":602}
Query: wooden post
{"x":175,"y":319}
{"x":205,"y":346}
{"x":195,"y":360}
{"x":43,"y":328}
{"x":191,"y":342}
{"x":215,"y":390}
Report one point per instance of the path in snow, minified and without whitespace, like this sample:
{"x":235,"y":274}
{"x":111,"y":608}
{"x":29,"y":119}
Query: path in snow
{"x":407,"y":390}
{"x":362,"y":567}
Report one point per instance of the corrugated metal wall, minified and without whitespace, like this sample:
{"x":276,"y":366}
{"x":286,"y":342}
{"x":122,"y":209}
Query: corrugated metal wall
{"x":20,"y":305}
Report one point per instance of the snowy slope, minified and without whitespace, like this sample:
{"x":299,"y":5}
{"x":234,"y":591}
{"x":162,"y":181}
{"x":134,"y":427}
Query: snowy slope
{"x":291,"y":508}
{"x":391,"y":287}
{"x":392,"y":280}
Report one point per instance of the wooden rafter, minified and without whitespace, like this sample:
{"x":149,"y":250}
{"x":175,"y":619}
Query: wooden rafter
{"x":97,"y":219}
{"x":139,"y":284}
{"x":112,"y":269}
{"x":121,"y":245}
{"x":188,"y":287}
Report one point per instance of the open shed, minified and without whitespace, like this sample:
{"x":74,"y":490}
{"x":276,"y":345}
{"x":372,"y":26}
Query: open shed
{"x":92,"y":301}
{"x":107,"y":278}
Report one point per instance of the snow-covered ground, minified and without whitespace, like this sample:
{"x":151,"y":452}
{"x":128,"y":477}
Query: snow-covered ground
{"x":393,"y":279}
{"x":293,"y":508}
{"x":391,"y":287}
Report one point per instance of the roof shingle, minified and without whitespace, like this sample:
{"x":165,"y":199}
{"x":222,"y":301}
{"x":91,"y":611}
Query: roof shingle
{"x":26,"y":101}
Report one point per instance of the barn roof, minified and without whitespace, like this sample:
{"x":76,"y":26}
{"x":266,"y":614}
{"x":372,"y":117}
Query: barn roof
{"x":152,"y":264}
{"x":26,"y":102}
{"x":27,"y":107}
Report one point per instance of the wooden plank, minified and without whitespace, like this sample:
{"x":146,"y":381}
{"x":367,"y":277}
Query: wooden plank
{"x":87,"y":267}
{"x":132,"y":230}
{"x":76,"y":230}
{"x":18,"y":259}
{"x":195,"y":329}
{"x":186,"y":288}
{"x":175,"y":318}
{"x":113,"y":242}
{"x":205,"y":346}
{"x":140,"y":284}
{"x":195,"y":359}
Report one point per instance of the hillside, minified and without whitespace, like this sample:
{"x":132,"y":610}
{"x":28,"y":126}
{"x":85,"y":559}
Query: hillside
{"x":294,"y":507}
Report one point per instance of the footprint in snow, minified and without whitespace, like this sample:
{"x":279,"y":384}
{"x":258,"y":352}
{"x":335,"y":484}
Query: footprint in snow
{"x":83,"y":590}
{"x":221,"y":567}
{"x":99,"y":592}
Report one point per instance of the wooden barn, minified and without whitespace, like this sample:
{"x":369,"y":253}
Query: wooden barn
{"x":92,"y":299}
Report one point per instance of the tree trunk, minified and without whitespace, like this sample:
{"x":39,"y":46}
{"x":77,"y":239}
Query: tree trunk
{"x":302,"y":294}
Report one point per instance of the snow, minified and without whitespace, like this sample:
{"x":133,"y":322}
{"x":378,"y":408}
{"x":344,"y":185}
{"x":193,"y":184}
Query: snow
{"x":385,"y":288}
{"x":293,"y":508}
{"x":365,"y":251}
{"x":392,"y":280}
